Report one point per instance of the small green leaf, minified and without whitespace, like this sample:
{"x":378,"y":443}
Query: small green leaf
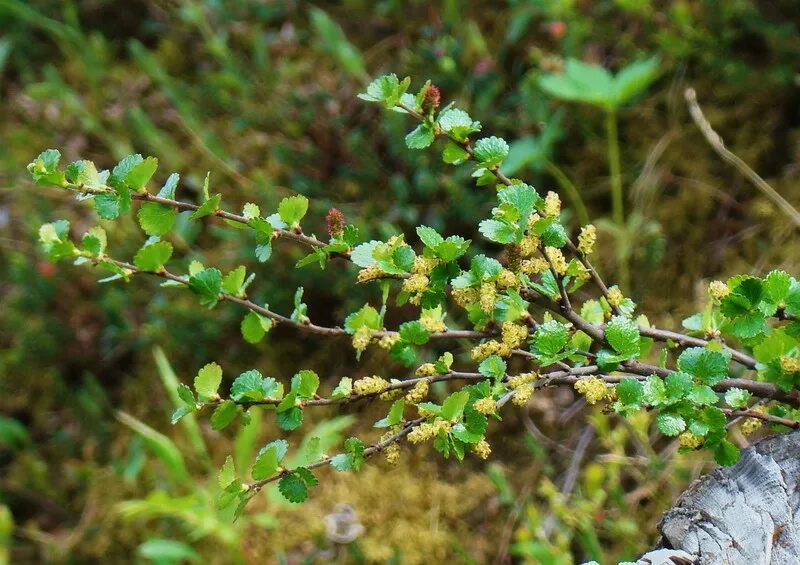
{"x":493,"y":367}
{"x":140,"y":174}
{"x":255,"y":326}
{"x":155,"y":218}
{"x":207,"y":381}
{"x":233,"y":281}
{"x":224,"y":415}
{"x":208,"y":285}
{"x":366,"y":316}
{"x":227,"y":474}
{"x":623,"y":335}
{"x":293,"y":488}
{"x":670,"y":424}
{"x":737,"y":397}
{"x":453,"y":405}
{"x":290,"y":419}
{"x":550,"y":338}
{"x":414,"y":332}
{"x":152,"y":257}
{"x":292,"y":209}
{"x":630,"y":392}
{"x":490,"y":151}
{"x":305,"y":383}
{"x":454,"y":154}
{"x":207,"y":208}
{"x":707,"y":365}
{"x":420,"y":138}
{"x":267,"y":461}
{"x":725,"y":453}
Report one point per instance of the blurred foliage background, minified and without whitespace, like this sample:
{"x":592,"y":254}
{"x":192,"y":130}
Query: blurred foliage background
{"x":262,"y":94}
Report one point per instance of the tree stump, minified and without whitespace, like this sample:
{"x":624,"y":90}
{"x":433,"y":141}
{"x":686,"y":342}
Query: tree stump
{"x":745,"y":514}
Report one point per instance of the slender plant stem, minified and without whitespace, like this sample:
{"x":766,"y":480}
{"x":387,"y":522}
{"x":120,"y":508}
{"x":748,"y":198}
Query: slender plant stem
{"x":571,"y":190}
{"x":617,"y":201}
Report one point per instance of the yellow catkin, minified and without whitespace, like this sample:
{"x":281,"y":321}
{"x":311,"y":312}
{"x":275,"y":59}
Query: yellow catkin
{"x":387,"y":341}
{"x":486,"y":405}
{"x":418,"y":393}
{"x":514,"y":334}
{"x":615,"y":296}
{"x":587,"y":239}
{"x":507,"y":279}
{"x":593,"y":388}
{"x":532,"y":220}
{"x":534,"y":266}
{"x":522,"y":394}
{"x":718,"y":290}
{"x":529,"y":245}
{"x":370,"y":273}
{"x":361,"y":338}
{"x":426,"y":370}
{"x":556,"y":259}
{"x":689,"y":440}
{"x":552,"y":204}
{"x":465,"y":296}
{"x":393,"y":393}
{"x":488,"y":295}
{"x":392,"y":453}
{"x":370,"y":385}
{"x":790,"y":364}
{"x":423,"y":265}
{"x":416,"y":283}
{"x":432,"y":324}
{"x":522,"y":379}
{"x":482,"y":449}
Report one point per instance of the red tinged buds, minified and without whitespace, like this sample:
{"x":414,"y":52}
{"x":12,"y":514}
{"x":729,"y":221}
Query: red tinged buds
{"x":335,"y":220}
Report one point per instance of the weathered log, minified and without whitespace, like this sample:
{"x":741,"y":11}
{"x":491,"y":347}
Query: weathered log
{"x":744,"y":514}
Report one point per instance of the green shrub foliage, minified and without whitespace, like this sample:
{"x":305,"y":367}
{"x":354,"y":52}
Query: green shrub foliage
{"x":737,"y":360}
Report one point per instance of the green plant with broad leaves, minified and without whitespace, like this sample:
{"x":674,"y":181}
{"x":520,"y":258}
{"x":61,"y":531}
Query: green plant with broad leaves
{"x":596,"y":86}
{"x":538,"y":304}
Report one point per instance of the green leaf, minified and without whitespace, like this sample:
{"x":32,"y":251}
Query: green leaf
{"x":678,"y":385}
{"x":623,"y":335}
{"x":582,"y":82}
{"x":635,"y":78}
{"x":490,"y":151}
{"x":443,"y":363}
{"x":522,"y":197}
{"x":290,"y":419}
{"x":185,"y":394}
{"x":180,"y":412}
{"x":207,"y":381}
{"x":725,"y":453}
{"x":255,"y":326}
{"x":207,"y":208}
{"x":454,"y":154}
{"x":493,"y":367}
{"x":453,"y":405}
{"x":152,"y":257}
{"x":251,"y":385}
{"x":386,"y":89}
{"x":554,"y":235}
{"x":268,"y":459}
{"x":227,"y":474}
{"x":414,"y":332}
{"x":654,"y":391}
{"x":707,"y":365}
{"x":395,"y":415}
{"x":233,"y":281}
{"x":224,"y":415}
{"x":305,"y":383}
{"x":420,"y":137}
{"x":208,"y":285}
{"x":94,"y":241}
{"x":167,"y":551}
{"x":292,"y":209}
{"x":429,"y":237}
{"x":630,"y":392}
{"x":703,"y":395}
{"x":737,"y":397}
{"x":293,"y":488}
{"x":670,"y":424}
{"x":343,"y":389}
{"x":550,"y":338}
{"x":500,"y":231}
{"x":155,"y":218}
{"x":140,"y":174}
{"x":107,"y":205}
{"x":366,"y":316}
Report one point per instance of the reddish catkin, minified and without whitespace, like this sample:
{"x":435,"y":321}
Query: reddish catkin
{"x":432,"y":98}
{"x":335,"y":220}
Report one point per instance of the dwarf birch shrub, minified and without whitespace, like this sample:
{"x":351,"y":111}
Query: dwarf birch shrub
{"x":539,"y":299}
